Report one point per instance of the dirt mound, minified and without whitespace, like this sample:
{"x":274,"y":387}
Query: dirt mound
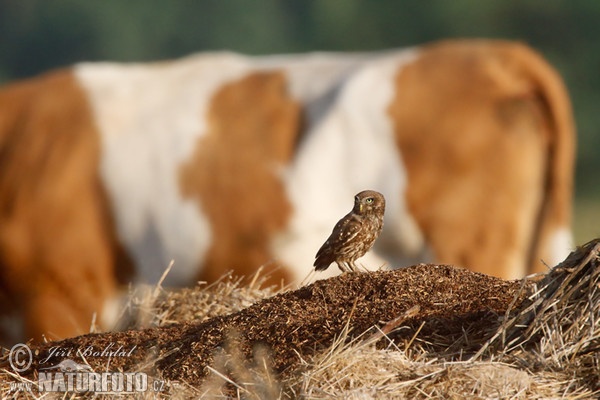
{"x":295,"y":324}
{"x":418,"y":332}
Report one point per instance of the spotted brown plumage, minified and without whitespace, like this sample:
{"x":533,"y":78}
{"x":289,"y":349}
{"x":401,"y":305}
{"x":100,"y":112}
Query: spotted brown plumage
{"x":354,"y":234}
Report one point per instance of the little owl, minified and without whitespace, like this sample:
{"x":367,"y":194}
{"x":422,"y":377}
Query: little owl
{"x":354,"y":234}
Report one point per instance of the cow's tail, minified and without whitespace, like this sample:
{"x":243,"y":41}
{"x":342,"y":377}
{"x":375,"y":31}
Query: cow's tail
{"x":553,"y":239}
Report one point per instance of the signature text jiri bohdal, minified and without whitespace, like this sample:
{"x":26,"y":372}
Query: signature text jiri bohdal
{"x":89,"y":352}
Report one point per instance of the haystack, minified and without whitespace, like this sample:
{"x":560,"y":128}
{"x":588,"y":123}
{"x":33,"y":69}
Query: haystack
{"x":425,"y":331}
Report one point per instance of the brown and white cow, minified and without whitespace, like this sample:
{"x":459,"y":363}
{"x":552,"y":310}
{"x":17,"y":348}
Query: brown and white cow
{"x":226,"y":162}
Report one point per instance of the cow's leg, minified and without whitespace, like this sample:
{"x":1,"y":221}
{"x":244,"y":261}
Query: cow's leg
{"x":57,"y":258}
{"x":61,"y":271}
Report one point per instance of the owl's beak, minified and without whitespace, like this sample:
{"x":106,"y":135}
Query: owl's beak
{"x":360,"y":207}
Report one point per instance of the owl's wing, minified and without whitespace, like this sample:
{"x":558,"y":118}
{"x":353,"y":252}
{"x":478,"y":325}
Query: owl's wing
{"x":344,"y":231}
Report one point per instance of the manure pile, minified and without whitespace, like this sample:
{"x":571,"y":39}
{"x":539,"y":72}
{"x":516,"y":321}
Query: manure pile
{"x":426,"y":331}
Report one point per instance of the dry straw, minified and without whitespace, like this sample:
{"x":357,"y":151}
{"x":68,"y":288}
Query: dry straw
{"x":546,"y":346}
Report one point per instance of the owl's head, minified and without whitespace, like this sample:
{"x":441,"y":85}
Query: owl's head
{"x":369,"y":202}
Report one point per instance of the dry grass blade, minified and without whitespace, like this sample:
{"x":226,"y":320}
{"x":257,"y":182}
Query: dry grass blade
{"x":558,"y":326}
{"x":568,"y":298}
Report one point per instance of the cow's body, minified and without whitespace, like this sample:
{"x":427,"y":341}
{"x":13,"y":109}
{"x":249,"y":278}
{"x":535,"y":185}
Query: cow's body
{"x":221,"y":161}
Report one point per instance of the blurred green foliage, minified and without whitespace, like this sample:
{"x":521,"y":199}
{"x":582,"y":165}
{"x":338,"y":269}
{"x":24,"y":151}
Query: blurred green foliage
{"x":36,"y":35}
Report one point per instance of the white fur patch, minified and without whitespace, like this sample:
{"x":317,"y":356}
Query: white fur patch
{"x":561,"y":244}
{"x":150,"y":118}
{"x":351,"y":148}
{"x":312,"y":76}
{"x":113,"y":308}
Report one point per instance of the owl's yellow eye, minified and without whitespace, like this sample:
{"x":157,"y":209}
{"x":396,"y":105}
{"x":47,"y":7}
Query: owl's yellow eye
{"x":369,"y":200}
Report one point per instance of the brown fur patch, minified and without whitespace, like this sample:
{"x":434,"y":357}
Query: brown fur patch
{"x":476,"y":126}
{"x":56,"y":238}
{"x":253,"y":129}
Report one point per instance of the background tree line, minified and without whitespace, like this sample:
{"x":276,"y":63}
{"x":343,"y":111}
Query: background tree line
{"x":37,"y":35}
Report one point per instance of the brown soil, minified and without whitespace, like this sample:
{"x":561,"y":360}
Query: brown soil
{"x":296,"y":324}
